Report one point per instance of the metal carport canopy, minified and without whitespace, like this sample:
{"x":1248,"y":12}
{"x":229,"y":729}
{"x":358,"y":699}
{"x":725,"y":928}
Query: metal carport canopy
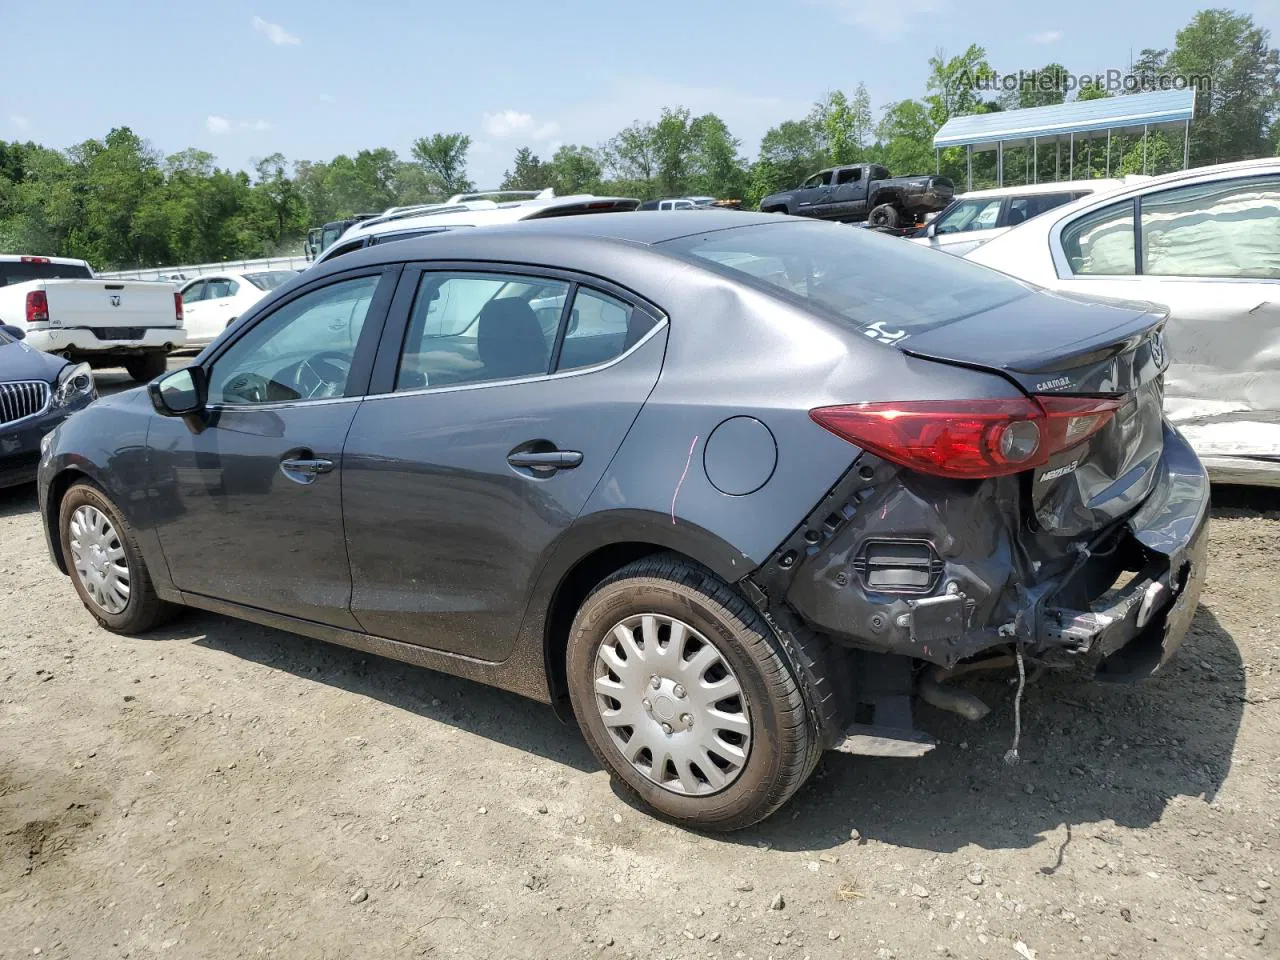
{"x":1063,"y":120}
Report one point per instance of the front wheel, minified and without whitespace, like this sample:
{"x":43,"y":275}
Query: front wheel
{"x":683,"y":693}
{"x":105,"y":563}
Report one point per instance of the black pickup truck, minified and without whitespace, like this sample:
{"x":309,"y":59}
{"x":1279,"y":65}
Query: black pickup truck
{"x":863,"y":191}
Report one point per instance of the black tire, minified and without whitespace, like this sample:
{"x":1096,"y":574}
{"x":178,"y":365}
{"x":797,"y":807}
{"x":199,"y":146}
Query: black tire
{"x":785,"y":742}
{"x":147,"y":367}
{"x":885,"y":215}
{"x":144,"y":608}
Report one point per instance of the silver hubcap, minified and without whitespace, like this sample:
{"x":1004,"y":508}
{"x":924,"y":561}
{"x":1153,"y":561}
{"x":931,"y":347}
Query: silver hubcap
{"x":672,"y":704}
{"x":98,"y":557}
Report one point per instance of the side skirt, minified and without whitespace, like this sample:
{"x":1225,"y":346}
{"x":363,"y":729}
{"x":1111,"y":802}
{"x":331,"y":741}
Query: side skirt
{"x":519,"y":673}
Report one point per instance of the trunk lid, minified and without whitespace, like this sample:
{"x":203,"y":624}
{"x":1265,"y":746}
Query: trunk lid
{"x":110,"y":304}
{"x":1057,"y":346}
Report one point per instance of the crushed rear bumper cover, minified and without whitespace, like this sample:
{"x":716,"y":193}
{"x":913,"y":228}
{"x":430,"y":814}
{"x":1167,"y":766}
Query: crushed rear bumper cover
{"x":987,"y":588}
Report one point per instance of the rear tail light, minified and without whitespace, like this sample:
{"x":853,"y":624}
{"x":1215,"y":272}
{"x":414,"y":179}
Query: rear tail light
{"x":37,"y":307}
{"x":969,"y":439}
{"x":177,"y":306}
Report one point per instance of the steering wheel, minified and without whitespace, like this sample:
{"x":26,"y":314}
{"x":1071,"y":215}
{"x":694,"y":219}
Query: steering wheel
{"x":323,"y":375}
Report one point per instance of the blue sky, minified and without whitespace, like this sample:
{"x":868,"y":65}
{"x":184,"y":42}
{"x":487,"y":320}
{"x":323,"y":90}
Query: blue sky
{"x":313,"y":79}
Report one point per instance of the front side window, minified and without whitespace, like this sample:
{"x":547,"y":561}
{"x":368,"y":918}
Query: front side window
{"x":818,"y":180}
{"x":1101,"y":243}
{"x":475,"y":327}
{"x":1222,"y":229}
{"x":970,"y":215}
{"x":195,"y":292}
{"x":303,"y":350}
{"x":600,"y":328}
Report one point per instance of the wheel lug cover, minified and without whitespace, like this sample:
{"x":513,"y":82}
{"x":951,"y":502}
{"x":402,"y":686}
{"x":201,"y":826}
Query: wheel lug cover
{"x":655,"y":681}
{"x":646,"y":704}
{"x":666,"y":728}
{"x":679,"y":692}
{"x":686,"y":719}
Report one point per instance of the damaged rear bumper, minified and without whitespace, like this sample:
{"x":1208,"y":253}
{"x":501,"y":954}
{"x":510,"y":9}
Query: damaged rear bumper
{"x":1121,"y":602}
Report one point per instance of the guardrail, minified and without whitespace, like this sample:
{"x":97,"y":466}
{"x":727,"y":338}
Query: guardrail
{"x":204,"y":269}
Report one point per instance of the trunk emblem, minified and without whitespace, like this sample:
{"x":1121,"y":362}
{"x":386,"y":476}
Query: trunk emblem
{"x":1053,"y":384}
{"x":115,"y":299}
{"x":1061,"y":471}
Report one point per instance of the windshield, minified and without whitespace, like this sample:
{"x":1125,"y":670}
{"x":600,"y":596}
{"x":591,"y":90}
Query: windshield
{"x":271,"y":278}
{"x":19,"y":272}
{"x":875,"y":284}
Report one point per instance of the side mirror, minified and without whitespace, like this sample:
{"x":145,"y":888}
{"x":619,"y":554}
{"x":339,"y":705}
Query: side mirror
{"x":932,"y":229}
{"x":17,"y":333}
{"x":179,"y":393}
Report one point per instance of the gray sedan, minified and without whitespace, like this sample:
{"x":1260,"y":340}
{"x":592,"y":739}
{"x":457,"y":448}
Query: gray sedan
{"x":729,"y":490}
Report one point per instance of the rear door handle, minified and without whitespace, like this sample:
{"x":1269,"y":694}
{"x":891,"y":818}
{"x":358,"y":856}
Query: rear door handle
{"x":546,"y":460}
{"x":304,"y":469}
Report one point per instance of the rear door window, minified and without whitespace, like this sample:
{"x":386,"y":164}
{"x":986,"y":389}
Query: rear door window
{"x":1101,"y":243}
{"x":1022,"y":209}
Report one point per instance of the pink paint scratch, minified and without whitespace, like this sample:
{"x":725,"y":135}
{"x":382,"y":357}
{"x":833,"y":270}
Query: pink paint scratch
{"x":682,"y":476}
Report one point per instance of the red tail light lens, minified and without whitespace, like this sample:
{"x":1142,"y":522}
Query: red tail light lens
{"x":35,"y":260}
{"x":968,"y":439}
{"x":177,"y":306}
{"x":37,"y":307}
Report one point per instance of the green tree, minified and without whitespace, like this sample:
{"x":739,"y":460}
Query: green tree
{"x":1042,"y":87}
{"x":718,"y":167}
{"x":527,"y":173}
{"x":631,"y":156}
{"x":276,"y":196}
{"x":575,"y":169}
{"x":904,"y":138}
{"x":789,"y":152}
{"x":957,"y":85}
{"x":443,"y":157}
{"x":1238,"y":93}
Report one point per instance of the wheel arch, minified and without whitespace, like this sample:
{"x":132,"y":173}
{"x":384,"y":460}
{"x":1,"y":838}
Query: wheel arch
{"x":57,"y":490}
{"x":890,"y":195}
{"x":596,"y":547}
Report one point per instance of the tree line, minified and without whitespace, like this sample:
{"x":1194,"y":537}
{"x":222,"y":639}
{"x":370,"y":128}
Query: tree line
{"x":118,"y":202}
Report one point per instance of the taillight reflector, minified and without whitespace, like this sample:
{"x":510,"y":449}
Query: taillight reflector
{"x":969,"y":439}
{"x":37,"y":307}
{"x":177,"y":306}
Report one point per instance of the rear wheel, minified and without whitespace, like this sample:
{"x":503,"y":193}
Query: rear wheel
{"x":885,"y":215}
{"x":683,"y":693}
{"x":147,"y":367}
{"x":106,"y":565}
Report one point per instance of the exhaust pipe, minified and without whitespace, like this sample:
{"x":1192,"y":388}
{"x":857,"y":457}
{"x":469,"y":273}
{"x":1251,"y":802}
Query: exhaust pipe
{"x":932,"y":692}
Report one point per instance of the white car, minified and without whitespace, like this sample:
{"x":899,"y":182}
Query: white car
{"x":973,"y":218}
{"x":434,"y":218}
{"x":1206,"y":244}
{"x":211,"y":303}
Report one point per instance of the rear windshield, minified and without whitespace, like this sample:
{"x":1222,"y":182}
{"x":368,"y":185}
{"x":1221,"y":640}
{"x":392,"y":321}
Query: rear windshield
{"x":270,"y":279}
{"x":882,"y":286}
{"x":17,"y":272}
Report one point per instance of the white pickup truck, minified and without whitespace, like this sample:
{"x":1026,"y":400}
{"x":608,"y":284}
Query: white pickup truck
{"x":62,"y":308}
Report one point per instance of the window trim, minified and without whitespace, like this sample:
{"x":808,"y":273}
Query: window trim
{"x":1058,"y":249}
{"x":386,"y":364}
{"x":366,"y":346}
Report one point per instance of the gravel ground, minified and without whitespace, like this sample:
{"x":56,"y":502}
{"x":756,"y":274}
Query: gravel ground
{"x":217,"y":789}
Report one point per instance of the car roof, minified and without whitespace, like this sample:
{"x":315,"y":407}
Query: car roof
{"x":509,"y":241}
{"x":470,"y":213}
{"x":1096,"y":185}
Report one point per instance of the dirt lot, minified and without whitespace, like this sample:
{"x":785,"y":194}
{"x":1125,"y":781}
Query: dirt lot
{"x":221,"y":790}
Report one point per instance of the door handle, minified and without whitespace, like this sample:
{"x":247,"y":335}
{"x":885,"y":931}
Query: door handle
{"x":304,"y":469}
{"x":546,"y":459}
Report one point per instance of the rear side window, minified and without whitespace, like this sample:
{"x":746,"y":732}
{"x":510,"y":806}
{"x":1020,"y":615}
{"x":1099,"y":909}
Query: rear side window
{"x":852,"y":175}
{"x":271,"y":279}
{"x":871,"y":283}
{"x":476,"y":327}
{"x":600,"y":328}
{"x":16,"y":272}
{"x":1101,"y":243}
{"x":1221,"y":229}
{"x":1022,"y":209}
